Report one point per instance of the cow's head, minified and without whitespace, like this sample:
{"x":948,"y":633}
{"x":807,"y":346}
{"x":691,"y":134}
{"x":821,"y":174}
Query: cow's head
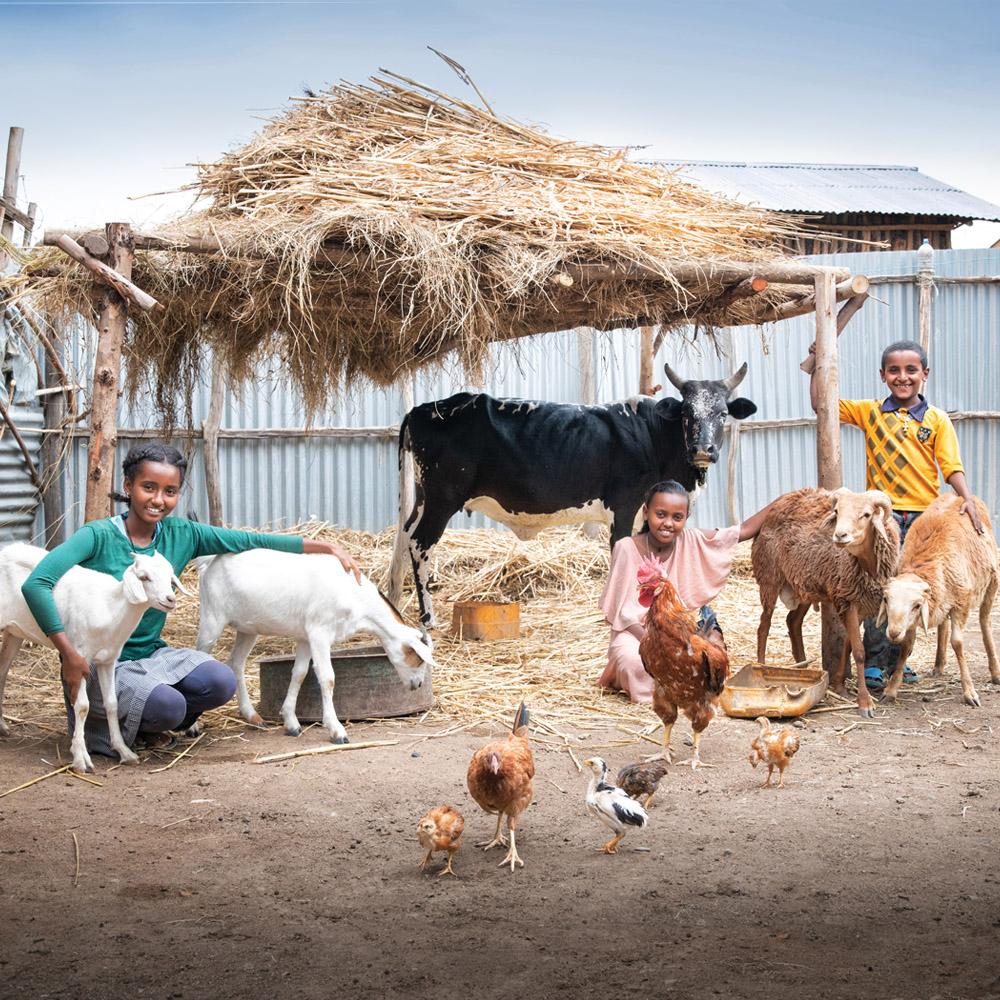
{"x":702,"y":409}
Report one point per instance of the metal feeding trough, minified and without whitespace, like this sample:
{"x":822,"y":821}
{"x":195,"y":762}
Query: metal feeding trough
{"x":367,"y":687}
{"x":486,"y":619}
{"x":773,"y":691}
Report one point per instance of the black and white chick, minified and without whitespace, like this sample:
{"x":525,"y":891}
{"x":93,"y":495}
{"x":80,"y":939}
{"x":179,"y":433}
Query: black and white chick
{"x":612,"y":805}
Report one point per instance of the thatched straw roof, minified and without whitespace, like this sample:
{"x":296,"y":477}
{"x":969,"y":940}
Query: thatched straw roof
{"x":375,"y":228}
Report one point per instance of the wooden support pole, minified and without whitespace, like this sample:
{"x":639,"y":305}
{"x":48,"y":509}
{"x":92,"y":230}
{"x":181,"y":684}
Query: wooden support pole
{"x":121,"y":285}
{"x":925,"y":293}
{"x":30,"y":227}
{"x":107,"y":377}
{"x":210,"y":446}
{"x":585,"y":351}
{"x":646,"y":361}
{"x":53,"y":504}
{"x":11,"y":170}
{"x":828,"y":464}
{"x":806,"y":302}
{"x":408,"y":477}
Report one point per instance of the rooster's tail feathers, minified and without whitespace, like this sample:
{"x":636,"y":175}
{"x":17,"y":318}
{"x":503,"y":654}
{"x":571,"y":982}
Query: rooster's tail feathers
{"x":521,"y":719}
{"x":764,"y":723}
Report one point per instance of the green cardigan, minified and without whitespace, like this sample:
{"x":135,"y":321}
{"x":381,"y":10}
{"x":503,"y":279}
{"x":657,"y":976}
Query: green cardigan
{"x":104,"y":546}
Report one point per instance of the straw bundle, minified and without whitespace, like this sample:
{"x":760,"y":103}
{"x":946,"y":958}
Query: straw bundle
{"x":375,"y":228}
{"x":553,"y":666}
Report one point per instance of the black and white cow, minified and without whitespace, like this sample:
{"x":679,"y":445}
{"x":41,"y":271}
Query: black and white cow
{"x":530,"y":465}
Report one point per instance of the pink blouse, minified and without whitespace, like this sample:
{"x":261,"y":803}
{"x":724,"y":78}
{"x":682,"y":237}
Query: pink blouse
{"x":697,"y":566}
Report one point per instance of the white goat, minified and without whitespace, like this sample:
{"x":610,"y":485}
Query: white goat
{"x":946,"y":571}
{"x":99,"y":614}
{"x":311,"y":598}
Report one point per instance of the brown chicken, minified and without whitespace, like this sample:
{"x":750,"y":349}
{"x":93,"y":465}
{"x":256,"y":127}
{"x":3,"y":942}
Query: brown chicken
{"x":642,"y":778}
{"x":499,"y":779}
{"x":688,"y":666}
{"x":774,"y":747}
{"x":441,"y":830}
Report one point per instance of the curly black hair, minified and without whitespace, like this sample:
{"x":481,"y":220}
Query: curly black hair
{"x":154,"y":451}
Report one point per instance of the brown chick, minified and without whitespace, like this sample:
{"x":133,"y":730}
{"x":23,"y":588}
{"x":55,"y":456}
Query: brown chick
{"x":441,"y":830}
{"x":499,"y":779}
{"x":642,"y":778}
{"x":774,"y":747}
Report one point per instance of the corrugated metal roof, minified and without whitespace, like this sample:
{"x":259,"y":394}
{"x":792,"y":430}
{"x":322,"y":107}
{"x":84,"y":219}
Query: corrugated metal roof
{"x":833,"y":188}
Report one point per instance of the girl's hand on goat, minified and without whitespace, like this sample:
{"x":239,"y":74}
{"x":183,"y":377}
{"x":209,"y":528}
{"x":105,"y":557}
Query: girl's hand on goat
{"x":968,"y":507}
{"x":315,"y":546}
{"x":75,"y":669}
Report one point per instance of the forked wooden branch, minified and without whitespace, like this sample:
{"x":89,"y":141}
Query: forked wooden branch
{"x":108,"y":275}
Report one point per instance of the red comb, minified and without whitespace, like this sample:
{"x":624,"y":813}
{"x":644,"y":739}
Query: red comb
{"x":649,"y":571}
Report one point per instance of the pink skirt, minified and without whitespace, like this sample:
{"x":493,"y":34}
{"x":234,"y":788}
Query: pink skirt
{"x":625,"y":671}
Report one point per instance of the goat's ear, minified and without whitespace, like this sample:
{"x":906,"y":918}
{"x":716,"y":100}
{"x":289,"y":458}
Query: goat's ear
{"x":925,"y":615}
{"x":135,"y":592}
{"x":740,"y":408}
{"x":883,"y":615}
{"x":417,"y":654}
{"x":175,"y":582}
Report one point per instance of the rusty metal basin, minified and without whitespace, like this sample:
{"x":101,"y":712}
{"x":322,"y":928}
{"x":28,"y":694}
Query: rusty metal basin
{"x":367,"y":687}
{"x":773,"y":691}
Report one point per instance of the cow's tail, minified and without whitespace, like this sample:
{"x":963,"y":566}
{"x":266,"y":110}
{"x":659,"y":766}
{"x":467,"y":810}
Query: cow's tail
{"x":407,"y":499}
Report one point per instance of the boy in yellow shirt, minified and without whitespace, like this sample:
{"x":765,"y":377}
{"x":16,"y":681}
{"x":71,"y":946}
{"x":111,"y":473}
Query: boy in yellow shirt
{"x":907,"y":442}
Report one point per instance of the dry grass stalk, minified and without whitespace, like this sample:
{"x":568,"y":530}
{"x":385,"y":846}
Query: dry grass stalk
{"x":553,"y":666}
{"x":449,"y":227}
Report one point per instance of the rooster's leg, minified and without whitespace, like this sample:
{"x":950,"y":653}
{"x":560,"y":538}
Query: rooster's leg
{"x":448,"y":870}
{"x":695,"y":759}
{"x":649,"y":798}
{"x":665,"y":754}
{"x":770,"y":770}
{"x":498,"y":837}
{"x":513,"y":858}
{"x":611,"y":847}
{"x":426,"y":861}
{"x":781,"y":777}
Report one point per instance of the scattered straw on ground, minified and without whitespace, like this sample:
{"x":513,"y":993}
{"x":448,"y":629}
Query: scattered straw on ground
{"x":374,"y":229}
{"x":553,"y":666}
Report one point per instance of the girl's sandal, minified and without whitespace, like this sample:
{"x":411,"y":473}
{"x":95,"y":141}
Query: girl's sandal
{"x":874,"y":679}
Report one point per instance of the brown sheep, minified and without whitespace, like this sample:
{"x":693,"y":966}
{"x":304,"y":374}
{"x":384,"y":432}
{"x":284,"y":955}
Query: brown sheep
{"x":816,"y":547}
{"x":945,"y":571}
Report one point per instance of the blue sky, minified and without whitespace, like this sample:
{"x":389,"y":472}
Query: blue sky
{"x":116,"y":98}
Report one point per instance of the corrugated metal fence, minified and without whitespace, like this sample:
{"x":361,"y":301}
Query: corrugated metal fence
{"x":353,"y":482}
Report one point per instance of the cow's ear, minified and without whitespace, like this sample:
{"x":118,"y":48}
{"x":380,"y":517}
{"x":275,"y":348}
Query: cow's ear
{"x":740,"y":408}
{"x":669,"y":408}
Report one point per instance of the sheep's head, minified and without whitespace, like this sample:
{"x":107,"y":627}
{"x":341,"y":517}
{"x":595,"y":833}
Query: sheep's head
{"x":906,"y":601}
{"x":151,"y":580}
{"x":651,"y":581}
{"x":854,"y":515}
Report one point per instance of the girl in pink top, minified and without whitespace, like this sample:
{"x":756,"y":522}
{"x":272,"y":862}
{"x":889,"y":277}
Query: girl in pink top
{"x":696,"y":562}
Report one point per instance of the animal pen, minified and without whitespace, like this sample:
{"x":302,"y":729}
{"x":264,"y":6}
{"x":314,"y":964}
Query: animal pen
{"x":453,"y":231}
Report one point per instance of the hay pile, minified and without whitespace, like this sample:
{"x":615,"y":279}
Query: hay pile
{"x":553,"y":666}
{"x":375,"y":228}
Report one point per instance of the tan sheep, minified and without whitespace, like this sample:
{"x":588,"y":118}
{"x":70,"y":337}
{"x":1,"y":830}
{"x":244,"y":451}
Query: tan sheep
{"x":945,"y":571}
{"x":839,"y":548}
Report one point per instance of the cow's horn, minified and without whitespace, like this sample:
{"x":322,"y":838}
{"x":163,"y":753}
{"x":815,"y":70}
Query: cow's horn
{"x":675,"y":380}
{"x":734,"y":380}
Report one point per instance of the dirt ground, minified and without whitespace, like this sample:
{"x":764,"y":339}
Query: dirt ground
{"x":873,"y":874}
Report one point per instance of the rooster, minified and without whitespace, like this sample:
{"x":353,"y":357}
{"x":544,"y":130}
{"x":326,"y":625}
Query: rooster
{"x":774,"y":748}
{"x":440,"y":830}
{"x":688,"y":666}
{"x":500,"y":780}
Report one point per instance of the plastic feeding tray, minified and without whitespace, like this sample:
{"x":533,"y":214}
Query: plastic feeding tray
{"x":367,"y":687}
{"x":773,"y":691}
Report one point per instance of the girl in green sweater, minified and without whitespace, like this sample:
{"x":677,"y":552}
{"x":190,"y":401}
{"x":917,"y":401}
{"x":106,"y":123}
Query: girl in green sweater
{"x":159,"y":689}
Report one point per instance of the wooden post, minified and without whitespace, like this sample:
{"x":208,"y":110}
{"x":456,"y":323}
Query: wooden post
{"x":11,"y":170}
{"x":53,"y":408}
{"x":107,"y":376}
{"x":585,"y":352}
{"x":408,"y":481}
{"x":646,"y":361}
{"x":828,"y":464}
{"x":210,"y":446}
{"x":28,"y":230}
{"x":925,"y":291}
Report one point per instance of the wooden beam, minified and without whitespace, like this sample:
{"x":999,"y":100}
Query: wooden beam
{"x":53,"y":501}
{"x":723,"y":272}
{"x":646,"y":352}
{"x":10,"y":211}
{"x":30,"y":227}
{"x":806,"y":302}
{"x":108,"y":275}
{"x":107,"y":377}
{"x":210,"y":450}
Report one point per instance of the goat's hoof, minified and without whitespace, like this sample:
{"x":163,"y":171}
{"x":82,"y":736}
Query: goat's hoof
{"x":890,"y":697}
{"x":293,"y":730}
{"x":256,"y":722}
{"x":192,"y":732}
{"x":126,"y":756}
{"x":83,"y":767}
{"x":5,"y":729}
{"x":866,"y":711}
{"x":339,"y":740}
{"x":993,"y":680}
{"x":972,"y":700}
